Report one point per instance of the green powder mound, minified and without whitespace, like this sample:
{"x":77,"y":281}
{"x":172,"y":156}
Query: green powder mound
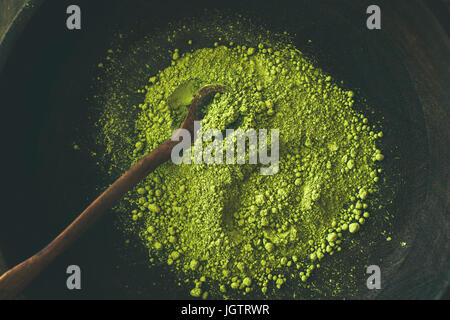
{"x":228,"y":223}
{"x":225,"y":229}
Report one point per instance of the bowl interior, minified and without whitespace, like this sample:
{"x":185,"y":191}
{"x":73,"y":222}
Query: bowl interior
{"x":45,"y":88}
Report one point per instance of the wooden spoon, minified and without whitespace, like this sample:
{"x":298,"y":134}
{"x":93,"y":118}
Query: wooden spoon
{"x":13,"y":281}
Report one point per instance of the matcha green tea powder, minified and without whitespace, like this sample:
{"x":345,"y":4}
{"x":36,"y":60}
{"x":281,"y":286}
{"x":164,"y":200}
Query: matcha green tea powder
{"x":226,"y":229}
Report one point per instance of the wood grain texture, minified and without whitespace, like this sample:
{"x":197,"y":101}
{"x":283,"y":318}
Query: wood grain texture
{"x":424,"y":48}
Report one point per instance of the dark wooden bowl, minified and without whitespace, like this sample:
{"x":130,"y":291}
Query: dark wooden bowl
{"x":45,"y":76}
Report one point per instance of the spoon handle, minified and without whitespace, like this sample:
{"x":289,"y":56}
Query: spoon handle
{"x":13,"y":281}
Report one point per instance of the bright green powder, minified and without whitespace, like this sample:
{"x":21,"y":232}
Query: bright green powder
{"x":227,"y":227}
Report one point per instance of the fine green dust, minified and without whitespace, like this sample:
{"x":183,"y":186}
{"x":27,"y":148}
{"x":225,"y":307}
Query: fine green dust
{"x":226,"y":230}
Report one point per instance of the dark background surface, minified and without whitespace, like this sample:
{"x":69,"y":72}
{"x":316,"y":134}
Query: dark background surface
{"x":44,"y":110}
